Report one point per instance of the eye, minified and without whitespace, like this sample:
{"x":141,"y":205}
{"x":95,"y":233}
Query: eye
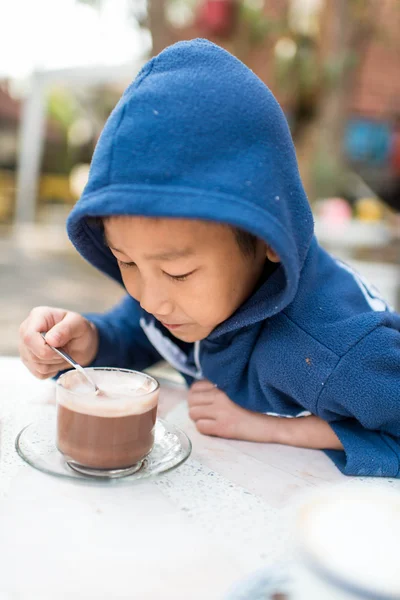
{"x":179,"y":277}
{"x":126,"y":265}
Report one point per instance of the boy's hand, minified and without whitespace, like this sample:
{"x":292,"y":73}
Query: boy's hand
{"x":215,"y":414}
{"x":64,"y":329}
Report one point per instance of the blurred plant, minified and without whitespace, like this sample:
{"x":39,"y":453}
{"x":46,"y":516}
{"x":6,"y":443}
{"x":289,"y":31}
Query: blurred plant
{"x":62,"y":107}
{"x":316,"y":48}
{"x":316,"y":65}
{"x":80,"y":115}
{"x":258,"y":24}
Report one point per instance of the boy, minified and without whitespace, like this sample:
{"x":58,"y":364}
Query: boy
{"x":195,"y":204}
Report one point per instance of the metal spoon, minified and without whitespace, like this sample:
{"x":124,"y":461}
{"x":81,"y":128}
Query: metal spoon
{"x":71,"y":361}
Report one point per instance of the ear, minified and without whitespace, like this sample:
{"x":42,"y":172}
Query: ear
{"x":272,"y":255}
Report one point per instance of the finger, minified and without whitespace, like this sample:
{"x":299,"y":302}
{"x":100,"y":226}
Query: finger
{"x":34,"y":364}
{"x":37,"y":350}
{"x":46,"y":374}
{"x":202,"y":386}
{"x":52,"y":360}
{"x":44,"y":369}
{"x":29,"y":356}
{"x":200,"y":412}
{"x":203,"y":399}
{"x":70,"y":327}
{"x":207,"y":426}
{"x":40,"y":319}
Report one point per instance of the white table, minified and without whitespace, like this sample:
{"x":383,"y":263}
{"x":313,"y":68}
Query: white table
{"x":188,"y":535}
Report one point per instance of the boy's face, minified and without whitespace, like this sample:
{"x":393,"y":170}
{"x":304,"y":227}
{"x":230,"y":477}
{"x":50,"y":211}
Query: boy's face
{"x":191,"y":275}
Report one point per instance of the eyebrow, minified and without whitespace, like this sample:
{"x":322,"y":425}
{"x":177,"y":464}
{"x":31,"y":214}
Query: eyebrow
{"x":168,"y":255}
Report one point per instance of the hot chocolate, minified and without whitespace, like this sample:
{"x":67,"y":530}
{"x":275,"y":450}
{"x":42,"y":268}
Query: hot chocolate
{"x":113,"y":430}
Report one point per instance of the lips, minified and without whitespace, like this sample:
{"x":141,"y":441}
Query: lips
{"x":171,"y":325}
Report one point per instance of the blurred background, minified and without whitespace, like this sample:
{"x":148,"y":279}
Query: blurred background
{"x":333,"y":65}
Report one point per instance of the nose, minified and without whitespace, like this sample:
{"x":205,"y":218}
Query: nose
{"x":154,"y":299}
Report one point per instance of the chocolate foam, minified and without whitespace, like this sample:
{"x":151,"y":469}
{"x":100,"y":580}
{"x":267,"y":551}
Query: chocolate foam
{"x":123,"y":393}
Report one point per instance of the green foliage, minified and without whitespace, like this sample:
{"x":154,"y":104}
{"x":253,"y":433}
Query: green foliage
{"x":258,"y":23}
{"x":333,"y":68}
{"x":62,"y":107}
{"x":327,"y":173}
{"x":298,"y":74}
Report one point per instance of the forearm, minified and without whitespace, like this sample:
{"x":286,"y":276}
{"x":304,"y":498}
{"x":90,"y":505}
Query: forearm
{"x":302,"y":432}
{"x":307,"y":432}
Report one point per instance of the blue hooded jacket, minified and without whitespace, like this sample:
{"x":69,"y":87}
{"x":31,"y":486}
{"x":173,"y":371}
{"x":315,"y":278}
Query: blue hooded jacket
{"x":198,"y":135}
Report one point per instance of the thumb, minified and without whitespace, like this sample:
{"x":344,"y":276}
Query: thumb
{"x":66,"y":330}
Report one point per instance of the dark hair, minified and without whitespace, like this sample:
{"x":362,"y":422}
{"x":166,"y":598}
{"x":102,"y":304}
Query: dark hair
{"x":246,"y":241}
{"x":95,"y":222}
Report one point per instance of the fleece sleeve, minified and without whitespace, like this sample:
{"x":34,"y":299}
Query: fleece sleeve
{"x":122,"y":342}
{"x":361,"y":401}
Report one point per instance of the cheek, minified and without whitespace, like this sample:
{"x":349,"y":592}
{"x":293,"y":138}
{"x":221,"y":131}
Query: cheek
{"x":130,"y":283}
{"x":224,"y":297}
{"x":209,"y":302}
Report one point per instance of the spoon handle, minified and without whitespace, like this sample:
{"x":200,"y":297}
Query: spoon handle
{"x":71,"y":361}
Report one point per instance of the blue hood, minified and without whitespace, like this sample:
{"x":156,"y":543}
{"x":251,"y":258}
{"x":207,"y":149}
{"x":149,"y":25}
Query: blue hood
{"x":198,"y":135}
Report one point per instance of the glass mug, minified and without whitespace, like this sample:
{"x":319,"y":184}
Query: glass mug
{"x":110,"y":431}
{"x":348,"y":545}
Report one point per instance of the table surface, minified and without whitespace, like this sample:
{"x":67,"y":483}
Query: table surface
{"x":189,"y":534}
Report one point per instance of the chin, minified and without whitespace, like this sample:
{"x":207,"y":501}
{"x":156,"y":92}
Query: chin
{"x":191,"y":337}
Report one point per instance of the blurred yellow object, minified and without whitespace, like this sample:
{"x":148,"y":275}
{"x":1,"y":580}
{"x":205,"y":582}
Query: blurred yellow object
{"x":369,"y":209}
{"x":7,"y":194}
{"x":6,"y":204}
{"x":55,"y":188}
{"x":52,"y":188}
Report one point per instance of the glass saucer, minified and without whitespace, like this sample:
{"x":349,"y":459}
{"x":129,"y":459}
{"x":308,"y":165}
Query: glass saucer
{"x":36,"y":445}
